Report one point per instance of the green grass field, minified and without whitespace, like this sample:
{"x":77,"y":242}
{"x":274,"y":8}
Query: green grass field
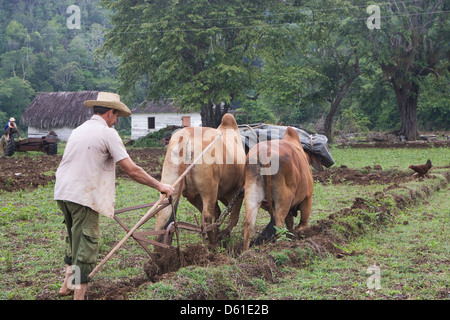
{"x":411,"y":251}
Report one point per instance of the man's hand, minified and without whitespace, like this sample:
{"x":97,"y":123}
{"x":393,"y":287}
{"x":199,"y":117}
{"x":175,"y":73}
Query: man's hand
{"x":166,"y":189}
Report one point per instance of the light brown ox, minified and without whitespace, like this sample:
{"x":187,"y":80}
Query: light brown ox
{"x":217,"y":177}
{"x":287,"y":189}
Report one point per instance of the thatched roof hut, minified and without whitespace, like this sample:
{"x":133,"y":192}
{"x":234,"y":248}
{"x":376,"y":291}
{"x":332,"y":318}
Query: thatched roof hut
{"x":50,"y":110}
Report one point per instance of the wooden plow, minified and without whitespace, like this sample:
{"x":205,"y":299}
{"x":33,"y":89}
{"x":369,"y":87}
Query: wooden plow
{"x":163,"y":202}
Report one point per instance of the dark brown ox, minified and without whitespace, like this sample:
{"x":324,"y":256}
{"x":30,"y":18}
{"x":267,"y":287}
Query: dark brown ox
{"x":217,"y":177}
{"x":278,"y":177}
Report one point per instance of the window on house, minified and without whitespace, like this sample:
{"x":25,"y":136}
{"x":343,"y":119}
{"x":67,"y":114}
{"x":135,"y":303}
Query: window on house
{"x":151,"y":122}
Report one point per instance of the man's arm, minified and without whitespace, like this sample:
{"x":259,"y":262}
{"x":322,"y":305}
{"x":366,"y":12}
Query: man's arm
{"x":139,"y":175}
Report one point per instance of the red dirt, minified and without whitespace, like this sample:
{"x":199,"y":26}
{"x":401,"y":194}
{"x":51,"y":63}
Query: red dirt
{"x":21,"y":172}
{"x":365,"y":176}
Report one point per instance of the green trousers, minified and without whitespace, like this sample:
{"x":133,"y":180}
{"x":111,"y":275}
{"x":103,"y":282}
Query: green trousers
{"x":83,"y":232}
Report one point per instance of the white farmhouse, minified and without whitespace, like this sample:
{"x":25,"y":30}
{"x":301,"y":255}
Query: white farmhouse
{"x":152,"y":116}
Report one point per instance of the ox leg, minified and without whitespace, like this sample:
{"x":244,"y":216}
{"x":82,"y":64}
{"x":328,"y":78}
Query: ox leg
{"x":197,"y":203}
{"x":253,"y":199}
{"x":281,"y":214}
{"x":290,"y":221}
{"x":233,"y":220}
{"x":209,"y":213}
{"x":305,"y":209}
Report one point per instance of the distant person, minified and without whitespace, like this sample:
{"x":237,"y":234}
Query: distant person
{"x":85,"y":184}
{"x":11,"y":128}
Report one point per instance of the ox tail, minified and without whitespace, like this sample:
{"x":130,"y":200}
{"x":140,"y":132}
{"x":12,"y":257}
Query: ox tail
{"x":268,"y":234}
{"x":269,"y":194}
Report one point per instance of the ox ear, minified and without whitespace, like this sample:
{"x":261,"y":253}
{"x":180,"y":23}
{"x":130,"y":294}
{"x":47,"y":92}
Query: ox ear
{"x":228,"y":122}
{"x":314,"y":161}
{"x":292,"y":136}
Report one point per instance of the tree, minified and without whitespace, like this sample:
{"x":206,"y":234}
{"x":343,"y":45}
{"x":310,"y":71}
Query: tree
{"x":321,"y":63}
{"x":335,"y":54}
{"x":434,"y":103}
{"x":15,"y":96}
{"x":340,"y":63}
{"x":373,"y":98}
{"x":412,"y":38}
{"x":16,"y":35}
{"x":200,"y":52}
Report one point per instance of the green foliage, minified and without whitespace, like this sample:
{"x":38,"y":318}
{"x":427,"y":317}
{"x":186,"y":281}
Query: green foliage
{"x":411,"y":45}
{"x":282,"y":234}
{"x":15,"y":96}
{"x":200,"y":52}
{"x":352,"y":121}
{"x":281,"y":258}
{"x":38,"y":47}
{"x":434,"y":103}
{"x":153,"y":139}
{"x":255,"y":112}
{"x":373,"y":99}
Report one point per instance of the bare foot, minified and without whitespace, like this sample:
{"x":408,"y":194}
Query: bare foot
{"x":65,"y":292}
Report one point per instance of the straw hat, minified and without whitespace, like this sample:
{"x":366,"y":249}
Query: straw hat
{"x":12,"y":119}
{"x":109,"y":100}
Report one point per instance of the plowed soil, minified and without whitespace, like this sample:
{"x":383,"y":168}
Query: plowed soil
{"x":21,"y":172}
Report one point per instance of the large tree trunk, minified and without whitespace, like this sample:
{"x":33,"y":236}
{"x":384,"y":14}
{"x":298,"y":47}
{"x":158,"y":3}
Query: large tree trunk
{"x":212,"y":115}
{"x":414,"y":53}
{"x":407,"y":96}
{"x":327,"y":126}
{"x":334,"y":106}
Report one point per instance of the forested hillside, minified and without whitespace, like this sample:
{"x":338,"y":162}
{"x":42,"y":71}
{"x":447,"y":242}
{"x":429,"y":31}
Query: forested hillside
{"x":40,"y":53}
{"x":280,"y":61}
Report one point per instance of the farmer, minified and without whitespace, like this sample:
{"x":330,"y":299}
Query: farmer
{"x":11,"y":128}
{"x":85,"y":185}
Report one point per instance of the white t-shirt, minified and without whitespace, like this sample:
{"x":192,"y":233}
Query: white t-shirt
{"x":86,"y":174}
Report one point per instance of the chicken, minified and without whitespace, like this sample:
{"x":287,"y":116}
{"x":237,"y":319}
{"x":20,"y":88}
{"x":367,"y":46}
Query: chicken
{"x":421,"y":169}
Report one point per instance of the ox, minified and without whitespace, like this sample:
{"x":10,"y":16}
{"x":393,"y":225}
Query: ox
{"x":217,"y":177}
{"x":281,"y":190}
